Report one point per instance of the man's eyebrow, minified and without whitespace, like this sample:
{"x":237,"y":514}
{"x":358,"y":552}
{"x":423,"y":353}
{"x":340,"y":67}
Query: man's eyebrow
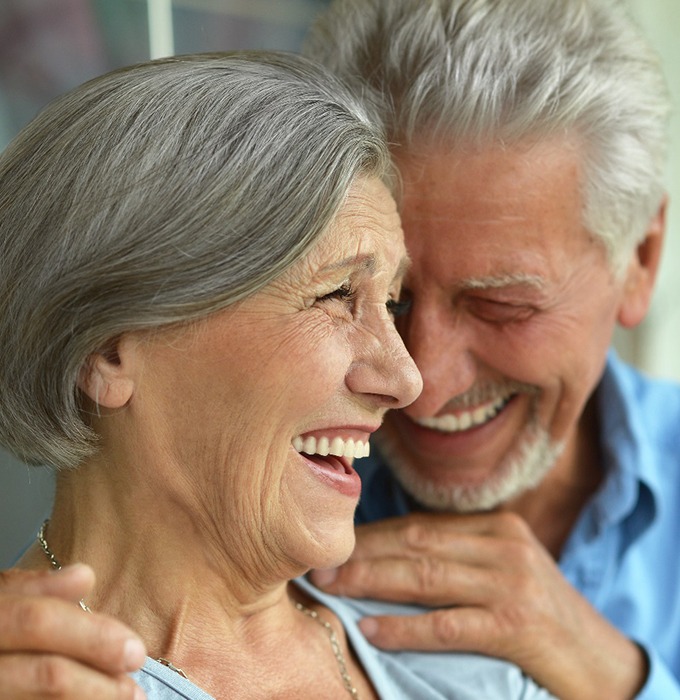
{"x":497,"y":281}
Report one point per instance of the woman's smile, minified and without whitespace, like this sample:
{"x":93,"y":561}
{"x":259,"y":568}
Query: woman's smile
{"x":329,"y":455}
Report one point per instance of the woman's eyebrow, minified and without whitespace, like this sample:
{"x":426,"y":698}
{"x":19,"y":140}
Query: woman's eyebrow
{"x":366,"y":261}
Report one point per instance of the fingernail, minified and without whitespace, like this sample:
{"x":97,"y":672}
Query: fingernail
{"x":368,"y":627}
{"x":323,"y":577}
{"x":134,"y":654}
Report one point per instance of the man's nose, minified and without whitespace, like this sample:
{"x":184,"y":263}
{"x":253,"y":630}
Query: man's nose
{"x":443,"y":350}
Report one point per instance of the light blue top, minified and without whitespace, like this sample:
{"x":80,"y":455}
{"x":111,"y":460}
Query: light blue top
{"x":623,"y":553}
{"x":426,"y":676}
{"x":395,"y":676}
{"x":162,"y":683}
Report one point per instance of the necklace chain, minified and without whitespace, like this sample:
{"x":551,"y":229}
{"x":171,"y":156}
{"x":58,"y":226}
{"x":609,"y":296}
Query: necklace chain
{"x":333,"y":638}
{"x":335,"y":645}
{"x":56,"y":565}
{"x":53,"y":560}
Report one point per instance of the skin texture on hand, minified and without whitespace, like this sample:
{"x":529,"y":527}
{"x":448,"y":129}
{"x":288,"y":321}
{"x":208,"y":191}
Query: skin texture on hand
{"x":49,"y":647}
{"x":494,"y":589}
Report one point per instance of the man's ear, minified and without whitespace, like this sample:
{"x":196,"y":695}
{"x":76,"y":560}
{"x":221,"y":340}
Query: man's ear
{"x":106,"y":377}
{"x":642,"y":271}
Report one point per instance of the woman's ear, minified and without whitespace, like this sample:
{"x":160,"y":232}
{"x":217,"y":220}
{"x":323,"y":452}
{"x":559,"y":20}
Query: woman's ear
{"x":642,"y":271}
{"x":106,"y":376}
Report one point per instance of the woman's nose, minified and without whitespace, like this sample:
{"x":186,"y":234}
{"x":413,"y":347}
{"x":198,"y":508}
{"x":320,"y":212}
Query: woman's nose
{"x":383,"y":368}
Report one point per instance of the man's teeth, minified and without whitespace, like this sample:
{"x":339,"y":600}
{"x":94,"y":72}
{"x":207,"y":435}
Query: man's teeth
{"x":464,"y":420}
{"x":336,"y":447}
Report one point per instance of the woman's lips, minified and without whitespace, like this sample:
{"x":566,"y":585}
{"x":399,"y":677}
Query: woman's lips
{"x":329,"y":455}
{"x":336,"y":472}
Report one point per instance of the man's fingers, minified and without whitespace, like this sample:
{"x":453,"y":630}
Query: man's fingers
{"x":49,"y":647}
{"x":37,"y":676}
{"x":460,"y":629}
{"x":44,"y":624}
{"x":426,"y":581}
{"x":434,"y":533}
{"x":70,"y":583}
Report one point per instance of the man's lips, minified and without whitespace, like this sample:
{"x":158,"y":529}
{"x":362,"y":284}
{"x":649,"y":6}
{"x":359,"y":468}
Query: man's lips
{"x":443,"y":437}
{"x":465,"y":419}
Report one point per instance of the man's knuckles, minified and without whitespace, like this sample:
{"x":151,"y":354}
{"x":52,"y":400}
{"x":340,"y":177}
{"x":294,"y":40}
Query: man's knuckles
{"x":429,"y":578}
{"x":55,"y":676}
{"x":420,"y":537}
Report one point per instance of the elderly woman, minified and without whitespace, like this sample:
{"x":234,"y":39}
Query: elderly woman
{"x":199,"y":261}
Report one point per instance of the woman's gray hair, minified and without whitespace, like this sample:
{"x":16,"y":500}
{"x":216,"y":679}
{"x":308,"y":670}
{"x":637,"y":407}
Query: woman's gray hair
{"x":471,"y":71}
{"x":159,"y":194}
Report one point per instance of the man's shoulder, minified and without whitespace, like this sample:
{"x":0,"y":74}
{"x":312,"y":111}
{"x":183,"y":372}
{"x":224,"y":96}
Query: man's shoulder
{"x":639,"y":417}
{"x":650,"y":403}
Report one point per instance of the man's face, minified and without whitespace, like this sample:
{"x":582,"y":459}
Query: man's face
{"x":513,"y":307}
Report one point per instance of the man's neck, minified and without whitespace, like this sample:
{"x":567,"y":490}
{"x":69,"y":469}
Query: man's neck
{"x":553,"y":507}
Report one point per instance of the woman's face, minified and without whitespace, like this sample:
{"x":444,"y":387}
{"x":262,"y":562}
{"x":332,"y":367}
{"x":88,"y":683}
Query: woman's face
{"x":240,"y":405}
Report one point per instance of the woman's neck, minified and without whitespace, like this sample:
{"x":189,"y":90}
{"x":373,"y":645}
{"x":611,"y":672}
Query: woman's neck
{"x":159,"y":571}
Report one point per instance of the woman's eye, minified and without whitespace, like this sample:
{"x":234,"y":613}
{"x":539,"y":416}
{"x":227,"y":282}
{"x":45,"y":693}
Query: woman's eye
{"x":344,"y":293}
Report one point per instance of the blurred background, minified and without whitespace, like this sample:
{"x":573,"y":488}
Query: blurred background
{"x":50,"y":46}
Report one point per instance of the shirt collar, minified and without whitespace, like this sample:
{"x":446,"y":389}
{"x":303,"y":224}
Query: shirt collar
{"x":630,"y":488}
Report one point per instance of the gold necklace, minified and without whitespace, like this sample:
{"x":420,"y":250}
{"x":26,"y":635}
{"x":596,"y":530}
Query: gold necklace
{"x":335,"y":644}
{"x":56,"y":565}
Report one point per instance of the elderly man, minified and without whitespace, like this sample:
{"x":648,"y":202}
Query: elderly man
{"x":530,"y":137}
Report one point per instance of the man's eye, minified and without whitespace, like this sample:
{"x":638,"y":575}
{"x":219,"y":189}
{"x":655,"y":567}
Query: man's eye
{"x":500,"y":312}
{"x":398,"y":307}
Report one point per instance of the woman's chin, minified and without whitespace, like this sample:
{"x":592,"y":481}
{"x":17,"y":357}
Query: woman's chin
{"x":329,"y":552}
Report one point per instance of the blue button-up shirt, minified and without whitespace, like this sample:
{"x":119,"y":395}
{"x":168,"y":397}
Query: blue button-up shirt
{"x":623,"y":553}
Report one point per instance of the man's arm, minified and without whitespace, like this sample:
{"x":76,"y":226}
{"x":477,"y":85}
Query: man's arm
{"x":49,"y":647}
{"x":495,"y":590}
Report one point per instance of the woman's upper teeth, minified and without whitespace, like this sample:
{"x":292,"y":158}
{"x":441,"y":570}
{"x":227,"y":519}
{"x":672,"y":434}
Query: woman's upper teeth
{"x":336,"y":446}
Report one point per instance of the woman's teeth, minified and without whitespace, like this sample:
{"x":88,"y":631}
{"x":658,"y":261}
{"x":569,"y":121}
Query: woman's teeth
{"x":464,"y":420}
{"x":335,"y":446}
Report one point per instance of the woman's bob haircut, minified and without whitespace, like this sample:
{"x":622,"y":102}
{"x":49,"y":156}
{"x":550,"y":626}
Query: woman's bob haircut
{"x":159,"y":194}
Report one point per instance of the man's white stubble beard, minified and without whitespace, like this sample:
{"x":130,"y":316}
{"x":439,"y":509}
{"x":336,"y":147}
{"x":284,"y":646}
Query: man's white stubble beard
{"x":518,"y":472}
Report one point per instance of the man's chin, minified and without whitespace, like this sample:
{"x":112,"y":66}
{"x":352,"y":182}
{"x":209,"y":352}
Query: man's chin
{"x":515,"y":475}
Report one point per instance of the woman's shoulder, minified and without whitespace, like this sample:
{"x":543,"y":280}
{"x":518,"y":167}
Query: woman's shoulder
{"x":426,"y":676}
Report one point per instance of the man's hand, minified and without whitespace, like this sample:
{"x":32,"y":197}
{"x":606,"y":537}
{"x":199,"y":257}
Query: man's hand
{"x":495,"y":590}
{"x":49,"y":647}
